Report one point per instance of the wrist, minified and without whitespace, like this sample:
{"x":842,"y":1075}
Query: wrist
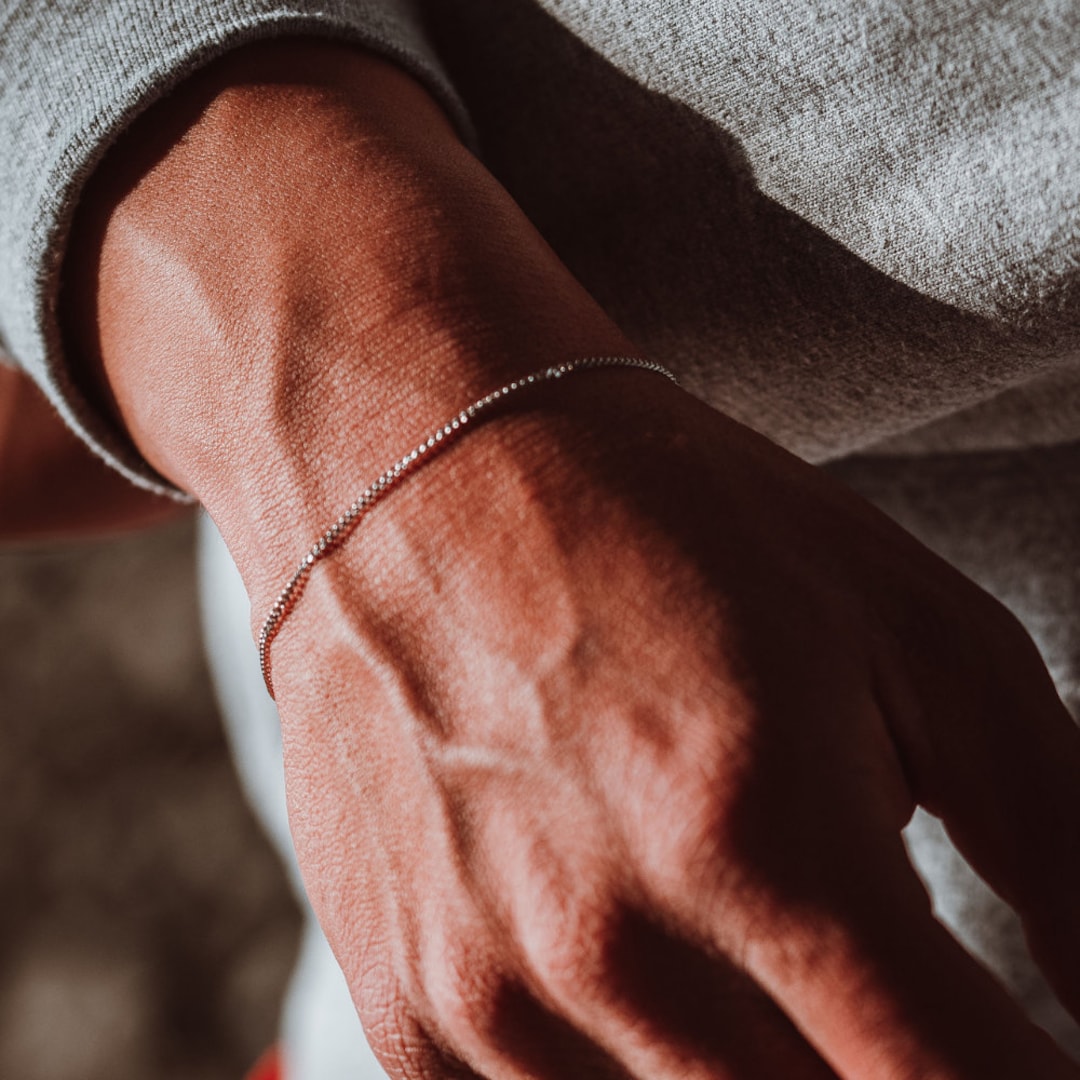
{"x":528,"y":497}
{"x":278,"y":314}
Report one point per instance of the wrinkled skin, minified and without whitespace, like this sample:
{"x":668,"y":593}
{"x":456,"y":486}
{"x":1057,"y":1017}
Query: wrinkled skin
{"x":601,"y":730}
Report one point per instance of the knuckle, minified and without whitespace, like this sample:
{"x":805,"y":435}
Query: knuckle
{"x":1000,"y":651}
{"x":690,"y":850}
{"x":573,"y":956}
{"x":991,"y":626}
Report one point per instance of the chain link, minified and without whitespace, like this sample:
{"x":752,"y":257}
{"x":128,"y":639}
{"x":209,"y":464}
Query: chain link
{"x":439,"y":439}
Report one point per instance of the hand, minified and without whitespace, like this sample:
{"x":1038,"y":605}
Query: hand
{"x":50,"y":483}
{"x":600,"y":736}
{"x":602,"y":730}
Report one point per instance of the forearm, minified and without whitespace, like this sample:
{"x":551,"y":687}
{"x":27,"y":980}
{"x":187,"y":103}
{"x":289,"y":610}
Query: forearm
{"x":292,"y":266}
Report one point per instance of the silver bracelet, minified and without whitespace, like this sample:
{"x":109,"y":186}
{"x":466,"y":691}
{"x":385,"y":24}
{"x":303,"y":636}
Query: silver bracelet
{"x":439,"y":439}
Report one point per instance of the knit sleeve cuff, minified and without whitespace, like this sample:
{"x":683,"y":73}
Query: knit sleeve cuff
{"x":75,"y":76}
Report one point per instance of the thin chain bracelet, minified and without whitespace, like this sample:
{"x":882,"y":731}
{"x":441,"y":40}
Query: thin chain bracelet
{"x":439,"y":439}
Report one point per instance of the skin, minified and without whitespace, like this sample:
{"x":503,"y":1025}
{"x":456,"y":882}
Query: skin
{"x":51,"y":486}
{"x":601,"y":731}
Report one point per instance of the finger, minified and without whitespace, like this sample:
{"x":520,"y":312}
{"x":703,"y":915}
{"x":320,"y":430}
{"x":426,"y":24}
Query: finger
{"x":663,"y":1008}
{"x":883,"y":991}
{"x":480,"y":1009}
{"x":992,"y":750}
{"x":512,"y":1035}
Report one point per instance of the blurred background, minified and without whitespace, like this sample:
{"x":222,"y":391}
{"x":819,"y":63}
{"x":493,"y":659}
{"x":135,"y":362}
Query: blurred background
{"x":146,"y":929}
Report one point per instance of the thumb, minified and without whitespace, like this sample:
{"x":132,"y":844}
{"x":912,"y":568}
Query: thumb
{"x":991,"y":749}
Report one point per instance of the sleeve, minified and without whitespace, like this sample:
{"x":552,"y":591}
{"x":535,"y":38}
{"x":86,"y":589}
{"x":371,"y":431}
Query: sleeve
{"x":73,"y":75}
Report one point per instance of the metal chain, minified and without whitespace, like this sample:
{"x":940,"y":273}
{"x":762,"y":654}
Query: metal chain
{"x":439,"y":439}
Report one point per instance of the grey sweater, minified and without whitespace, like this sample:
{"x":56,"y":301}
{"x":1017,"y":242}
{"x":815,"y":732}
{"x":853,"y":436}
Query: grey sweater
{"x":851,"y":225}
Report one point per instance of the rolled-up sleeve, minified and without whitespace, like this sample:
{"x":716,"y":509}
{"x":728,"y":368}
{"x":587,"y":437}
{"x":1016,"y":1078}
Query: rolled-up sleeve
{"x":73,"y":75}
